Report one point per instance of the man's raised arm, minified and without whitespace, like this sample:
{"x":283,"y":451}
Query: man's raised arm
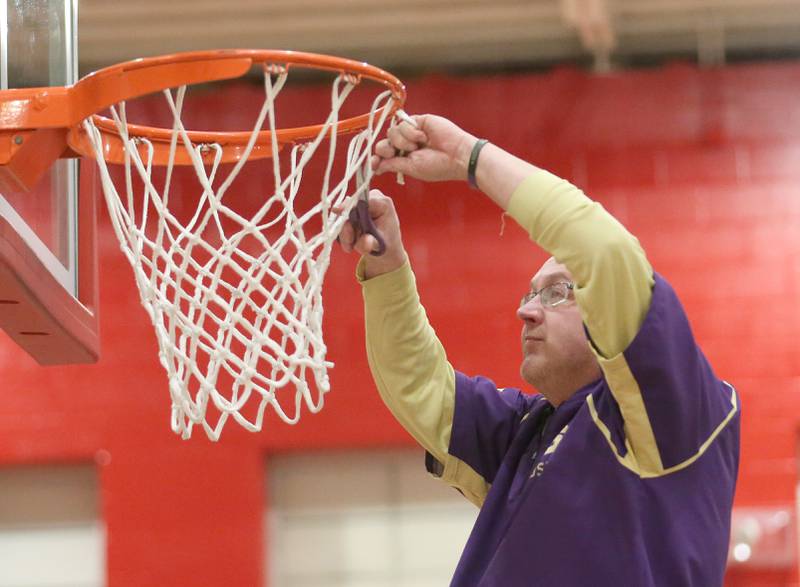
{"x":613,"y":277}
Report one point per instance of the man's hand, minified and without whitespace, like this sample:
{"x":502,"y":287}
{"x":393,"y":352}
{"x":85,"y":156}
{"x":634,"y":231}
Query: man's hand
{"x":436,"y":150}
{"x":383,"y":214}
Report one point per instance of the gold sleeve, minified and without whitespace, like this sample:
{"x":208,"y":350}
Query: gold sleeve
{"x":408,"y":363}
{"x":613,"y":279}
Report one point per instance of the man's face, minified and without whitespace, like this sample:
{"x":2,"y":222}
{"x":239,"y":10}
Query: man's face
{"x":555,"y":350}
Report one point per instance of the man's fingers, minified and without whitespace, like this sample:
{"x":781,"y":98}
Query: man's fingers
{"x":349,"y":237}
{"x":399,"y":141}
{"x":412,"y":134}
{"x":376,"y":196}
{"x":366,"y":244}
{"x":395,"y":165}
{"x":346,"y":237}
{"x":384,"y":149}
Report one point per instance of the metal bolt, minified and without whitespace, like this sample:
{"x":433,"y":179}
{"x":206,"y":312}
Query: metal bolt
{"x":18,"y":140}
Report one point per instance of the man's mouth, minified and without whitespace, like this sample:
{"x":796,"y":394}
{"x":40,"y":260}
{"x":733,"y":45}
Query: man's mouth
{"x":531,"y":343}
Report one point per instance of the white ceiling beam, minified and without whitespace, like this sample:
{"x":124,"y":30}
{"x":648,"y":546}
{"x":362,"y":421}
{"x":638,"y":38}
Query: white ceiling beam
{"x":433,"y":33}
{"x":675,"y":23}
{"x":684,"y":7}
{"x":592,"y":19}
{"x":711,"y":46}
{"x":111,"y":13}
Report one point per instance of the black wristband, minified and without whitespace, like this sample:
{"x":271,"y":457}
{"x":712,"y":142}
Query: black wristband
{"x":473,"y":162}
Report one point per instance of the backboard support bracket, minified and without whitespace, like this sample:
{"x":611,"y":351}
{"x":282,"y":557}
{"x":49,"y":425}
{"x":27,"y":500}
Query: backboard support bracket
{"x":25,"y":156}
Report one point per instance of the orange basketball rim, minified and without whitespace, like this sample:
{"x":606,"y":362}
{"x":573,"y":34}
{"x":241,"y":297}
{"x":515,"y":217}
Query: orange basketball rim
{"x":40,"y":125}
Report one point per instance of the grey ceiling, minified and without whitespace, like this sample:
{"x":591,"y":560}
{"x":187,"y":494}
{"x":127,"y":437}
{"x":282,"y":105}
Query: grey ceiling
{"x":445,"y":33}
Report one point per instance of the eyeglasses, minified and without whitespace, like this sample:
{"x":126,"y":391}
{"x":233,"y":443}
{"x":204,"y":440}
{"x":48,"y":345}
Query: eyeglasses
{"x":550,"y":296}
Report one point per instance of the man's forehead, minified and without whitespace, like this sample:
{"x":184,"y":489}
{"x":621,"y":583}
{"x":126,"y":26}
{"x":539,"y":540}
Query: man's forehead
{"x":549,"y":272}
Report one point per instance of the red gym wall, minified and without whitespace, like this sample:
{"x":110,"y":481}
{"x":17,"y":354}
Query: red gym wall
{"x":702,"y":165}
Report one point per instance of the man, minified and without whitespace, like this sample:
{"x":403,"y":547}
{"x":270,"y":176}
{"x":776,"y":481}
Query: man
{"x":622,"y":470}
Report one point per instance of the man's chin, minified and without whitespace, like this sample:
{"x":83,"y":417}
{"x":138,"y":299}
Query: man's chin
{"x":530,"y":370}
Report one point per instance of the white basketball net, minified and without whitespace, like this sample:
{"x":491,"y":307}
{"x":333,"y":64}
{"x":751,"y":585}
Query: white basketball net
{"x":237,"y":312}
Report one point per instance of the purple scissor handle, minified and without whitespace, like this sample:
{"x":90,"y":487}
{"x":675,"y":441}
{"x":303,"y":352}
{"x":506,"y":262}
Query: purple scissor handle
{"x":359,"y":214}
{"x":363,"y":224}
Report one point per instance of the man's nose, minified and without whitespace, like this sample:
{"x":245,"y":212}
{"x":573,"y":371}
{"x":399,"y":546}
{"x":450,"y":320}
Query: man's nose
{"x":531,"y":311}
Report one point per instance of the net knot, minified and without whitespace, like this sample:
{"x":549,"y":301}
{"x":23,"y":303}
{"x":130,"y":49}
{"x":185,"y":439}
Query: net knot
{"x":351,"y":78}
{"x":275,"y":68}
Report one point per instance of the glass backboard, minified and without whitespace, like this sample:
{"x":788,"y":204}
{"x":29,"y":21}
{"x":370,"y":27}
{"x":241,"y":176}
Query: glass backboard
{"x":42,"y":226}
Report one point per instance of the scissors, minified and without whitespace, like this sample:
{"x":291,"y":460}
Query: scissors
{"x":359,"y":214}
{"x":360,"y":218}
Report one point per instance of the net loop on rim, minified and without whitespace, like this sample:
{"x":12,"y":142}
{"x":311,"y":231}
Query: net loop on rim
{"x":235,"y":295}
